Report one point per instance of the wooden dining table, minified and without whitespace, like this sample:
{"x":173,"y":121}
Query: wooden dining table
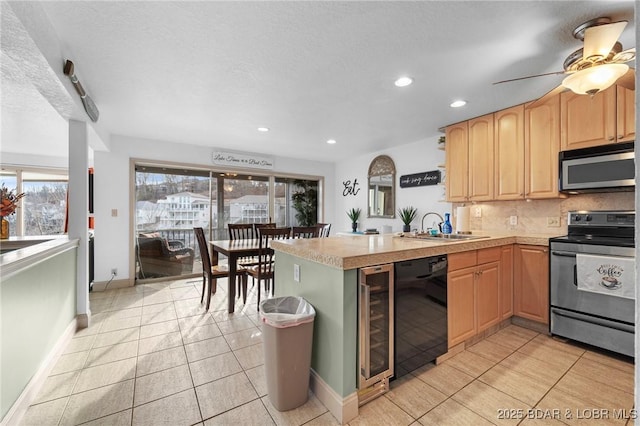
{"x":233,"y":249}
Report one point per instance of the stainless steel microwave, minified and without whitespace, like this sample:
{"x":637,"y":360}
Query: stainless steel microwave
{"x":603,"y":168}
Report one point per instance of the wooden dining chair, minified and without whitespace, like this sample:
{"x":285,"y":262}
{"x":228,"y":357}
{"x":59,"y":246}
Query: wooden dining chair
{"x":241,"y":231}
{"x":323,"y":229}
{"x":258,"y":226}
{"x":264,"y":270}
{"x":211,"y":273}
{"x":305,"y":232}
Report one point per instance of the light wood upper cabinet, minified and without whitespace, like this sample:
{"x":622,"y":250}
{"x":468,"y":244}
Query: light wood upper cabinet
{"x":457,"y":163}
{"x":587,"y":121}
{"x":531,"y":283}
{"x":541,"y":148}
{"x":626,"y":114}
{"x":481,"y":157}
{"x":509,"y":153}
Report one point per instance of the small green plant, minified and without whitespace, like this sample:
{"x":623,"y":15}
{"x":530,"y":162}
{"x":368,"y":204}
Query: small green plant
{"x":305,"y":202}
{"x":354,"y":214}
{"x":407,"y":214}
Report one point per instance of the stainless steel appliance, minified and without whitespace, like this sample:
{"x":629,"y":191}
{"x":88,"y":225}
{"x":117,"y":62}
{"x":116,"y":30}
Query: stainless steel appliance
{"x":420,"y":312}
{"x":603,"y":168}
{"x":375,"y":323}
{"x":592,"y":280}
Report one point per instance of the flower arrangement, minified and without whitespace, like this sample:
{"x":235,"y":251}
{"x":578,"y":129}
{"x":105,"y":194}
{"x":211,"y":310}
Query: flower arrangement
{"x":9,"y":201}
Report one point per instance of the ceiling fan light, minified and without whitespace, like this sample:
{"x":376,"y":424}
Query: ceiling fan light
{"x":594,"y":79}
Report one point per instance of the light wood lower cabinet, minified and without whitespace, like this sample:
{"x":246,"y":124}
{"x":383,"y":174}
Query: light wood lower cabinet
{"x":506,"y":282}
{"x":473,"y":295}
{"x":488,"y":295}
{"x":461,"y":305}
{"x":531,"y":283}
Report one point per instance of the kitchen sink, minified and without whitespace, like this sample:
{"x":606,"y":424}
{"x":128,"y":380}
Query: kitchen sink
{"x":447,"y":237}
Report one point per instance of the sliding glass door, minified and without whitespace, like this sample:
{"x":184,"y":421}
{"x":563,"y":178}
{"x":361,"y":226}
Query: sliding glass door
{"x":170,"y":202}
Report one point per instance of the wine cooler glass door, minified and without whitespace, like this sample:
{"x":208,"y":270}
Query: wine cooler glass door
{"x":376,"y":328}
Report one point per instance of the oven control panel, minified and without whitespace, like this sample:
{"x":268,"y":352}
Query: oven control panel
{"x":602,"y":218}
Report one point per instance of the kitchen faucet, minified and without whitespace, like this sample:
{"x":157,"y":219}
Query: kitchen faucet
{"x":427,"y":214}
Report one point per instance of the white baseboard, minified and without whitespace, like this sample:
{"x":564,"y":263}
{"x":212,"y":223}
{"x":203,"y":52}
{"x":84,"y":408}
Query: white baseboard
{"x":343,"y":409}
{"x":20,"y":406}
{"x":108,"y":285}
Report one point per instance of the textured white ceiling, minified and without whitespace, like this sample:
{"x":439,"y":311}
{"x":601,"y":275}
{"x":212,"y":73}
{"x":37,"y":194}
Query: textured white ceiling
{"x":210,"y":73}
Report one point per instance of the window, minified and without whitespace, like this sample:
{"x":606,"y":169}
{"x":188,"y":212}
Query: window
{"x":43,"y":209}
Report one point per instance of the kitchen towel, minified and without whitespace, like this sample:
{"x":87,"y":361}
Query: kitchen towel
{"x":610,"y":275}
{"x":462,"y":219}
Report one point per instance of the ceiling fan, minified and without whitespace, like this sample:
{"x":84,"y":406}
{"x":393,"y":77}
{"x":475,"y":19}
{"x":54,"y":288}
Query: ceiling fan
{"x":597,"y":65}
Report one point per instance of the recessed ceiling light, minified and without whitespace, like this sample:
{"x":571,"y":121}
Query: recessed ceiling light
{"x":458,"y":104}
{"x":263,"y":129}
{"x":403,"y":81}
{"x":331,"y":141}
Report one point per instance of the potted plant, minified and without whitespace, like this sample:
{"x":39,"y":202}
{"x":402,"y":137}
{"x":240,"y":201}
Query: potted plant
{"x":354,"y":215}
{"x":407,"y":214}
{"x":305,"y":202}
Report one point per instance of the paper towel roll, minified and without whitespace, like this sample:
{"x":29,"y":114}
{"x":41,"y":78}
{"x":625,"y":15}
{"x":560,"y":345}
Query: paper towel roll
{"x":462,"y":219}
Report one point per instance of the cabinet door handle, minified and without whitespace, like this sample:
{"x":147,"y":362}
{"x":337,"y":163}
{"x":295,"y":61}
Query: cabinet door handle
{"x":611,"y":138}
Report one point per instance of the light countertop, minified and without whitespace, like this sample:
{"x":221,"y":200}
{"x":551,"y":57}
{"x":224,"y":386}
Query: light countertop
{"x":23,"y":252}
{"x":357,"y":251}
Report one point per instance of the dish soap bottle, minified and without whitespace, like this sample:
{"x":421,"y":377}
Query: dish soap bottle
{"x":446,"y":226}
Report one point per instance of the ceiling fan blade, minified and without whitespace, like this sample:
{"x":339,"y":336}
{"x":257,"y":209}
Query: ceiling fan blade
{"x":624,"y":56}
{"x":599,"y":40}
{"x":628,"y":80}
{"x":530,"y":76}
{"x":546,"y":96}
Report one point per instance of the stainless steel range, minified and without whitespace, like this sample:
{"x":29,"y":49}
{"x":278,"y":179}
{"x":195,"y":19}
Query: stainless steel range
{"x":592,"y":280}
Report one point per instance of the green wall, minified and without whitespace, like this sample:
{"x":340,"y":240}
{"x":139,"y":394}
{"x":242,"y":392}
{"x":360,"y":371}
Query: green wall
{"x":36,"y":306}
{"x":333,"y":294}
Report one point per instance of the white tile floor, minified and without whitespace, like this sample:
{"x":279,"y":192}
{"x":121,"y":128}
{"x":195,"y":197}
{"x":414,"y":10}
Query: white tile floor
{"x":153,"y":356}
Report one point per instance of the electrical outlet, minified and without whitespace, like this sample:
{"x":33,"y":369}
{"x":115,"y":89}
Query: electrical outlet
{"x":553,"y":221}
{"x":513,"y":220}
{"x":114,"y":212}
{"x":296,"y":273}
{"x":114,"y":271}
{"x":477,"y":211}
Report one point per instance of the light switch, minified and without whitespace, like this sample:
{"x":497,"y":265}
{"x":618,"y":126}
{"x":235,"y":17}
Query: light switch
{"x":114,"y":212}
{"x":296,"y":273}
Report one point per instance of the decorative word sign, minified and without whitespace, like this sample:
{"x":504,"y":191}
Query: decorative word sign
{"x":242,"y":160}
{"x":420,"y":179}
{"x":350,"y":188}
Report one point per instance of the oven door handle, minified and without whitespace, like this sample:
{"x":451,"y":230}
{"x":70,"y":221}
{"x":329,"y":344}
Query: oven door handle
{"x":558,"y":253}
{"x":594,"y":320}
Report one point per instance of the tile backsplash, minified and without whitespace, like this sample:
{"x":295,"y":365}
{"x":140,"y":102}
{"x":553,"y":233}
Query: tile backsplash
{"x":534,"y":216}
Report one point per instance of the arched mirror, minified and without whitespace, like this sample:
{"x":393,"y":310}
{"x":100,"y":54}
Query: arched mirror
{"x":382,"y":182}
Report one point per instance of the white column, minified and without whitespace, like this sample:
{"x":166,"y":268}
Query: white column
{"x":79,"y":213}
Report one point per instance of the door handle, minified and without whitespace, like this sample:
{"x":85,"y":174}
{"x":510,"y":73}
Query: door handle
{"x":575,"y":275}
{"x":557,"y":253}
